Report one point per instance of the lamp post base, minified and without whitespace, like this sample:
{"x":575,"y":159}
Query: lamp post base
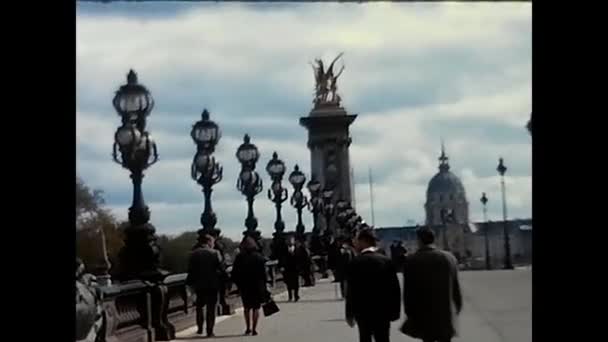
{"x":140,"y":257}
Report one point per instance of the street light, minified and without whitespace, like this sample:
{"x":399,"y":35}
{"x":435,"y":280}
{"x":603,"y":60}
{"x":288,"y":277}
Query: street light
{"x":342,"y":215}
{"x":298,"y":199}
{"x":447,"y":216}
{"x":328,"y":210}
{"x":277,"y":194}
{"x":249,"y":182}
{"x":205,"y":170}
{"x":484,"y":201}
{"x":133,"y":102}
{"x":502,"y":169}
{"x":315,"y":205}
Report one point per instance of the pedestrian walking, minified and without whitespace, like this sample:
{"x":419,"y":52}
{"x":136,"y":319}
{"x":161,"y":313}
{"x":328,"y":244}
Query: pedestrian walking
{"x":431,"y":292}
{"x":398,"y":253}
{"x":307,"y":266}
{"x":373,"y":296}
{"x":291,"y":265}
{"x":204,"y":272}
{"x":249,"y":275}
{"x":347,"y":253}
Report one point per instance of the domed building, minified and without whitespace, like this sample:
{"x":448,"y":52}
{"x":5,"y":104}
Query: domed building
{"x":447,"y":213}
{"x":447,"y":209}
{"x":446,"y":194}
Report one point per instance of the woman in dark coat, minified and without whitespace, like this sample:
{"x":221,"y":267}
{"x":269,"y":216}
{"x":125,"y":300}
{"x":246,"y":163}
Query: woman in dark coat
{"x":249,"y":275}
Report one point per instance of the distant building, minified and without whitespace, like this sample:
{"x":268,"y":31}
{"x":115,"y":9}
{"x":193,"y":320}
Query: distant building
{"x":446,"y":193}
{"x":520,"y":235}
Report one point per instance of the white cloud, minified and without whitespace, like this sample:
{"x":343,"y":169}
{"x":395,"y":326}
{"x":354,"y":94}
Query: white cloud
{"x":414,"y":73}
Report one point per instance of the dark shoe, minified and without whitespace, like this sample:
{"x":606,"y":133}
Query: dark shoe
{"x":199,"y":331}
{"x":297,"y":298}
{"x":210,"y":334}
{"x":254,"y":333}
{"x":248,"y":331}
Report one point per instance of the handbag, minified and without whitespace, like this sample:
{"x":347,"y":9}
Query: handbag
{"x":270,"y":308}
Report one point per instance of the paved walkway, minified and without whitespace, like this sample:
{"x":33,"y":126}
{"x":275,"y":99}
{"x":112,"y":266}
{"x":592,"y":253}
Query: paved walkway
{"x":497,"y":308}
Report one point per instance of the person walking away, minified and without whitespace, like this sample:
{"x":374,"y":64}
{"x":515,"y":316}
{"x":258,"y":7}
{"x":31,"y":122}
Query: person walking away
{"x":346,"y":255}
{"x":400,"y":253}
{"x":373,"y":296}
{"x":204,"y":272}
{"x":306,"y":262}
{"x":333,"y":253}
{"x":431,"y":293}
{"x":290,"y":265}
{"x":249,"y":275}
{"x":218,"y":246}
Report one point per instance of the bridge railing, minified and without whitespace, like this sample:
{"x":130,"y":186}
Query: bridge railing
{"x":139,"y":311}
{"x":128,"y":311}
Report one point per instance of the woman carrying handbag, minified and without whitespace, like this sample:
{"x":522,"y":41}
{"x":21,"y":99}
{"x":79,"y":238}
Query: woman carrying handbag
{"x":249,"y":275}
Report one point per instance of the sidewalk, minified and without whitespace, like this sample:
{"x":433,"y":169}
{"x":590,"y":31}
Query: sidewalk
{"x":490,"y":314}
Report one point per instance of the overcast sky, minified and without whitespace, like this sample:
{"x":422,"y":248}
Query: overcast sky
{"x":415,"y":73}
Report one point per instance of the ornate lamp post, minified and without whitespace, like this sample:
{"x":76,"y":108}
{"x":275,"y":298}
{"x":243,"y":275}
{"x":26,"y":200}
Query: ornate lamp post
{"x":502,"y":169}
{"x":446,"y":217}
{"x":315,"y":206}
{"x":328,"y":211}
{"x":139,"y":257}
{"x":298,"y":199}
{"x":277,"y":194}
{"x":484,"y":202}
{"x":205,"y":170}
{"x":342,"y":216}
{"x":249,"y":182}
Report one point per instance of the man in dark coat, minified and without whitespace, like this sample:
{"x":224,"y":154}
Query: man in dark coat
{"x":431,"y":292}
{"x":398,"y":253}
{"x":307,"y":271}
{"x":205,"y":269}
{"x":347,"y":254}
{"x":291,"y":265}
{"x":373,"y":296}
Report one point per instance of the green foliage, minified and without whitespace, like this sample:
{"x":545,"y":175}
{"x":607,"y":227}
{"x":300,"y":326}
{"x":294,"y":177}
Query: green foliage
{"x":175,"y":251}
{"x":91,"y":219}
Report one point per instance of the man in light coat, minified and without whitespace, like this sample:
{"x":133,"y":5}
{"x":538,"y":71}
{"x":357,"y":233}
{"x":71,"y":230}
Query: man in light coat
{"x":431,"y":292}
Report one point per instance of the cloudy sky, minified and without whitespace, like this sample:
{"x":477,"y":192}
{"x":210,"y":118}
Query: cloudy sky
{"x":414,"y":73}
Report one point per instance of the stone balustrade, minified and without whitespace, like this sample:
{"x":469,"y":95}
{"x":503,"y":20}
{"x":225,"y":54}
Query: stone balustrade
{"x":140,"y":311}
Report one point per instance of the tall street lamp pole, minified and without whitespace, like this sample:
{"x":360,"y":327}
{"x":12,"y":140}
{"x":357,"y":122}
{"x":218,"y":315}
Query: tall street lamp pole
{"x":298,"y":199}
{"x":139,"y":258}
{"x":316,"y":207}
{"x":502,"y":169}
{"x":249,"y":183}
{"x":205,"y":170}
{"x":328,"y":211}
{"x":343,"y":213}
{"x":446,"y":217}
{"x":277,"y":194}
{"x":484,"y":202}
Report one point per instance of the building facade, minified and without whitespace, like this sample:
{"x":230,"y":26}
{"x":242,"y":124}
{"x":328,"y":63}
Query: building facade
{"x":520,"y":235}
{"x":447,"y":214}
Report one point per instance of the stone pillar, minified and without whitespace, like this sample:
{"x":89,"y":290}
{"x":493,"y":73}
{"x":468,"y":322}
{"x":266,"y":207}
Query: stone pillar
{"x":329,"y":141}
